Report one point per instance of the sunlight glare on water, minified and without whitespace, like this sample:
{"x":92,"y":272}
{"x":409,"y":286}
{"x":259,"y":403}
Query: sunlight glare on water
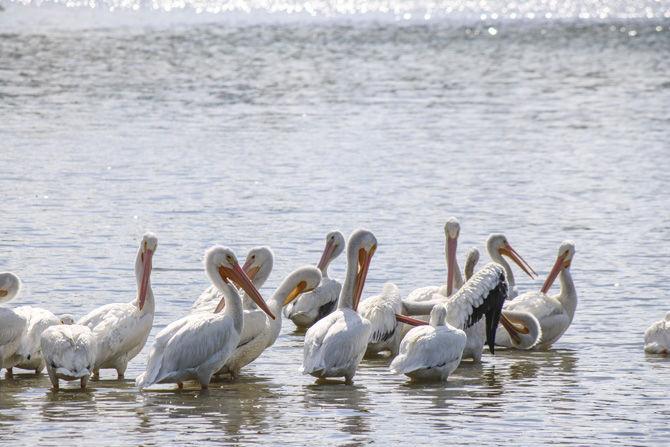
{"x":543,"y":120}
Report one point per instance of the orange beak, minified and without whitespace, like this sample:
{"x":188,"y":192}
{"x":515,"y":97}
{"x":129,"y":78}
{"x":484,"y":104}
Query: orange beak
{"x":451,"y":264}
{"x":326,"y":255}
{"x":409,"y":320}
{"x":241,"y":280}
{"x":512,"y":329}
{"x":555,"y":270}
{"x":146,"y":274}
{"x":508,"y":251}
{"x":250,"y":271}
{"x":364,"y":259}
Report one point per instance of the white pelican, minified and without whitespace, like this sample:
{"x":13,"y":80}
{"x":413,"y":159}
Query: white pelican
{"x":311,"y":307}
{"x":12,"y":325}
{"x":430,"y":352}
{"x":260,"y":332}
{"x":197,"y":345}
{"x":554,"y":313}
{"x":257,"y":266}
{"x":38,"y":320}
{"x":471,"y":260}
{"x":657,"y":337}
{"x":335,"y":345}
{"x":122,"y":329}
{"x":380,"y":310}
{"x":69,"y":352}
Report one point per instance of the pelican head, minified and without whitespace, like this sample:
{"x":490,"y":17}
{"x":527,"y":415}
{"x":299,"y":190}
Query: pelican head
{"x":523,"y":328}
{"x":563,"y":260}
{"x":438,"y":315}
{"x":10,"y":284}
{"x":66,"y":319}
{"x":148,"y":246}
{"x":258,"y":264}
{"x":223,"y":268}
{"x":360,"y":248}
{"x":451,"y":230}
{"x":497,"y":243}
{"x":301,"y":280}
{"x":471,"y":260}
{"x":334,"y":246}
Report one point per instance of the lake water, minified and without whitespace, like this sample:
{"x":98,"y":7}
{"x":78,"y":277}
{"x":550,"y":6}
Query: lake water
{"x":543,"y":121}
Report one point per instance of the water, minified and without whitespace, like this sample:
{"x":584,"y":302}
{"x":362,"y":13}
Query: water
{"x":269,"y":128}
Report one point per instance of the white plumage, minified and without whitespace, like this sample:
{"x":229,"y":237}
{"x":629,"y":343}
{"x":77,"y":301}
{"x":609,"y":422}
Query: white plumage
{"x":258,"y":267}
{"x":259,"y":331}
{"x":197,"y":345}
{"x":69,"y":352}
{"x":38,"y":320}
{"x":380,"y":311}
{"x":122,"y":329}
{"x":311,"y":307}
{"x":335,"y":345}
{"x":12,"y":325}
{"x":657,"y":337}
{"x":430,"y":352}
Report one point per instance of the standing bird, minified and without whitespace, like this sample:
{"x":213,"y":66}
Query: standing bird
{"x":313,"y":306}
{"x":257,"y":267}
{"x":69,"y":352}
{"x":335,"y":345}
{"x":657,"y":337}
{"x":12,"y":325}
{"x":260,"y":332}
{"x":498,"y":248}
{"x":554,"y":313}
{"x":197,"y":345}
{"x":430,"y":352}
{"x":38,"y":320}
{"x":122,"y":329}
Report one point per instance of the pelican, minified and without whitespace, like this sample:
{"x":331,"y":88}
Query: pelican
{"x":38,"y":320}
{"x":197,"y":345}
{"x":13,"y":326}
{"x":657,"y":337}
{"x":257,"y":266}
{"x":69,"y":353}
{"x":380,"y":310}
{"x":430,"y":352}
{"x":122,"y":329}
{"x":260,"y":332}
{"x":313,"y":306}
{"x":498,"y":248}
{"x":335,"y":345}
{"x":554,"y":313}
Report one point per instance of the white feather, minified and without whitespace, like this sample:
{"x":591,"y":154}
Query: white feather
{"x":380,"y":310}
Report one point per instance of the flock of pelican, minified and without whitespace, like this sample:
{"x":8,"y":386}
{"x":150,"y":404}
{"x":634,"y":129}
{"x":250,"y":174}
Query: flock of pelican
{"x":427,"y":334}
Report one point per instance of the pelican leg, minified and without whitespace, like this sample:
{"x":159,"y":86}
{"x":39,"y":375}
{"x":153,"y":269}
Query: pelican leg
{"x":10,"y":373}
{"x":96,"y":374}
{"x":53,"y":378}
{"x":84,"y":381}
{"x":180,"y":385}
{"x":121,"y":370}
{"x":349,"y":380}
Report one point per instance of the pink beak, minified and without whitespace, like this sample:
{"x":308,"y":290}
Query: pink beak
{"x":409,"y":320}
{"x":451,"y":264}
{"x":146,"y":274}
{"x":326,"y":255}
{"x":555,"y":270}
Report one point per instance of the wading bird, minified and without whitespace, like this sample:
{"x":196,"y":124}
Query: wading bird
{"x":657,"y":337}
{"x":69,"y":353}
{"x":12,"y":325}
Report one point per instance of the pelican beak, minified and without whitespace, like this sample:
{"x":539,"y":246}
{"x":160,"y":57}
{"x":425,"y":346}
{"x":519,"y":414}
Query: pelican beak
{"x":512,"y":329}
{"x":555,"y":270}
{"x":326,"y":255}
{"x":241,"y":280}
{"x":3,"y":293}
{"x":250,"y":269}
{"x":364,"y":259}
{"x":508,"y":251}
{"x":146,"y":274}
{"x":451,"y":264}
{"x":297,"y":290}
{"x":409,"y":320}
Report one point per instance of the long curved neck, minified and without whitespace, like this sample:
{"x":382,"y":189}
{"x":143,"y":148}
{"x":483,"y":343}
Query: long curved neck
{"x":498,"y":258}
{"x":324,"y":270}
{"x":139,"y":269}
{"x":233,"y":307}
{"x":458,"y":277}
{"x":346,"y":299}
{"x":568,"y":294}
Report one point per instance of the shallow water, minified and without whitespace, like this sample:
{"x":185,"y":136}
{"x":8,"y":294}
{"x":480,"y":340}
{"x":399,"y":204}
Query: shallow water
{"x":206,"y":129}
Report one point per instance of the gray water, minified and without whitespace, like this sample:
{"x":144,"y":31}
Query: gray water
{"x":247,"y":129}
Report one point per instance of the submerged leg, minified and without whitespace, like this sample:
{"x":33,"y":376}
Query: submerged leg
{"x":53,"y":378}
{"x":84,"y":381}
{"x":9,"y":374}
{"x":180,"y":385}
{"x":96,"y":374}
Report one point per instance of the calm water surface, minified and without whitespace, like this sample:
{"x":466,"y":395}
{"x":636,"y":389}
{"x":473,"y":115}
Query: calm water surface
{"x":208,"y":129}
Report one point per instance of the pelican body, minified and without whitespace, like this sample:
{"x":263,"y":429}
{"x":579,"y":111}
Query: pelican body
{"x":13,"y":326}
{"x":29,"y":351}
{"x":122,"y":329}
{"x":311,"y":307}
{"x":430,"y":352}
{"x":69,"y":353}
{"x":258,"y":267}
{"x":259,"y":331}
{"x":554,"y":313}
{"x":385,"y":331}
{"x":198,"y":345}
{"x":335,"y":345}
{"x":657,"y":337}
